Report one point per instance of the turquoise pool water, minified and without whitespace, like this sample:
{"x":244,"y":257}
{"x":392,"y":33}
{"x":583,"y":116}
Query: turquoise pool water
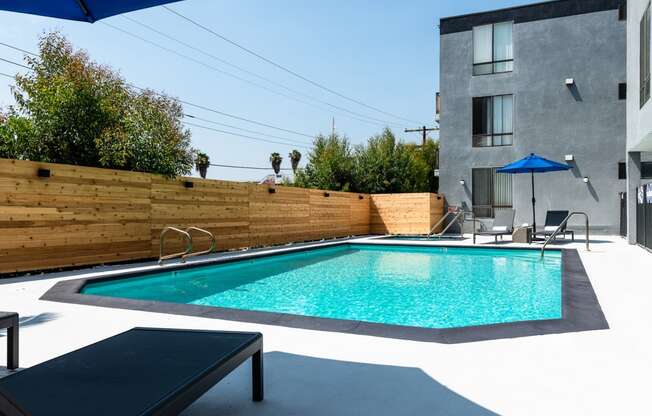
{"x":432,"y":287}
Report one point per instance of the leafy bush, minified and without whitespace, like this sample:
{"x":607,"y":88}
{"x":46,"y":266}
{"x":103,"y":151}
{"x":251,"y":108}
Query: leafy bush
{"x":382,"y":165}
{"x":330,"y":165}
{"x":72,"y":110}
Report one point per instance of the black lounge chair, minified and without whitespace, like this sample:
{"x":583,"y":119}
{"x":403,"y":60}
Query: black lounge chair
{"x":143,"y":371}
{"x":553,"y":220}
{"x":503,"y":225}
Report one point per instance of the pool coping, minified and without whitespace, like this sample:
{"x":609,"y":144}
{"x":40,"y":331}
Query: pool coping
{"x":581,"y":309}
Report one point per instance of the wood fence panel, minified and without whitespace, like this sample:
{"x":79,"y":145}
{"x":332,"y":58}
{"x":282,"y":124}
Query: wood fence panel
{"x":279,"y":217}
{"x":76,"y":216}
{"x":83,"y":216}
{"x":330,"y":214}
{"x":403,"y":213}
{"x":220,"y":207}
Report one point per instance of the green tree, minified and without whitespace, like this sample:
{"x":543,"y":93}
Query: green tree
{"x":430,"y":155}
{"x":72,"y":110}
{"x":330,"y":165}
{"x":386,"y":165}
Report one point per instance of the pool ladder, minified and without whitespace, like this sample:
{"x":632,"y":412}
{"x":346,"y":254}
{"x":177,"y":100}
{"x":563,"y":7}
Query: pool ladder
{"x":552,"y":236}
{"x":187,"y":236}
{"x":458,"y":217}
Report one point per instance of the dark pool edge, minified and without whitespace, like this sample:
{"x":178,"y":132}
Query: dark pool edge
{"x":580,"y":305}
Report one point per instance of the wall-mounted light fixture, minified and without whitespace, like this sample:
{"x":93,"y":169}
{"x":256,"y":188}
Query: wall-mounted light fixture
{"x":326,"y":194}
{"x":188,"y":184}
{"x":462,"y":182}
{"x":436,"y":173}
{"x":569,"y":82}
{"x":43,"y":173}
{"x":569,"y":158}
{"x":271,"y":190}
{"x":586,"y":179}
{"x":360,"y":197}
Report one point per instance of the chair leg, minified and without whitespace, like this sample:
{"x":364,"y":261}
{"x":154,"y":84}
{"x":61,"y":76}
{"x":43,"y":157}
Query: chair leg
{"x":473,"y":238}
{"x":12,"y":347}
{"x":257,"y":376}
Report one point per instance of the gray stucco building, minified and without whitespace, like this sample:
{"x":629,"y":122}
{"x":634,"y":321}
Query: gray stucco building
{"x":547,"y":78}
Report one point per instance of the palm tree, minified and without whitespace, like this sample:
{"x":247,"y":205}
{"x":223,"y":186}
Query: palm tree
{"x":276,"y":160}
{"x":202,"y":161}
{"x":295,"y":157}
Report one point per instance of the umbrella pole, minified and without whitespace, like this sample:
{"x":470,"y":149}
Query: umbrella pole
{"x":534,"y":201}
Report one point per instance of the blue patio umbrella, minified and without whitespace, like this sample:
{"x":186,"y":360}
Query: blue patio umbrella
{"x":533,"y":164}
{"x":81,"y":10}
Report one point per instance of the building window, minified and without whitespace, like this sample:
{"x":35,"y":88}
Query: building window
{"x":492,"y":49}
{"x":492,"y":121}
{"x":646,"y":170}
{"x":645,"y":57}
{"x":622,"y":91}
{"x":491,"y":191}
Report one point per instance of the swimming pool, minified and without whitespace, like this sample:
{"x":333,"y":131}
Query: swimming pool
{"x":426,"y":287}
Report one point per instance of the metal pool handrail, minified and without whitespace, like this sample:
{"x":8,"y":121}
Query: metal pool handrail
{"x":458,"y":214}
{"x":199,"y":253}
{"x":561,"y":226}
{"x":185,"y":235}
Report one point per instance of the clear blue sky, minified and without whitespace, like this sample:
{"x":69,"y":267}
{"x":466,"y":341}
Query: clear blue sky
{"x":381,"y":52}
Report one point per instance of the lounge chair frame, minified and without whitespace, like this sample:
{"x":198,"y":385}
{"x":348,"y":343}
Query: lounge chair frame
{"x":77,"y":368}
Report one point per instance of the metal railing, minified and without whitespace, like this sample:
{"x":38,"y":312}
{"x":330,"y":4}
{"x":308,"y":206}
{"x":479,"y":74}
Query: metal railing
{"x":561,"y":226}
{"x":456,"y":219}
{"x":186,"y":237}
{"x":199,"y":253}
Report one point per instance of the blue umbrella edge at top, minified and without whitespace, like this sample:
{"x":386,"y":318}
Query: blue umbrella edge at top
{"x":78,"y":10}
{"x":533,"y":164}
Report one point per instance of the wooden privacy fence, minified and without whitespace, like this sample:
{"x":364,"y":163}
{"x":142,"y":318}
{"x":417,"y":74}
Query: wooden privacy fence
{"x":54,"y":215}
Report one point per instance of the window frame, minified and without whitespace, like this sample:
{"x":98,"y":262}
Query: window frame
{"x":491,"y":135}
{"x":493,"y":61}
{"x":493,"y":205}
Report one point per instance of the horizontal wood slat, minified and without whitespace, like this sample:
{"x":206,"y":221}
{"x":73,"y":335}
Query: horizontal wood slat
{"x":83,"y":216}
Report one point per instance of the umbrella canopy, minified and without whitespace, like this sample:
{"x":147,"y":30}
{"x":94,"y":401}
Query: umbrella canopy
{"x":533,"y":164}
{"x":81,"y":10}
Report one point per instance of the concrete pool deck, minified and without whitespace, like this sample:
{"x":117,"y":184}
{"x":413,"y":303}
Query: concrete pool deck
{"x":326,"y":373}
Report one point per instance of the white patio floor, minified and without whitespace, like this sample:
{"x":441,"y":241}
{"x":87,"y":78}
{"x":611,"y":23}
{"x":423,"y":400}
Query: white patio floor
{"x":323,"y":373}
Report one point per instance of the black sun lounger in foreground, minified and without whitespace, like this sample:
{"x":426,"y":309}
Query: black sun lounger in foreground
{"x":144,"y":371}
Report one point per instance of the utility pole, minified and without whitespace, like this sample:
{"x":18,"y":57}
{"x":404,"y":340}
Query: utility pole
{"x":333,"y":128}
{"x":424,"y":130}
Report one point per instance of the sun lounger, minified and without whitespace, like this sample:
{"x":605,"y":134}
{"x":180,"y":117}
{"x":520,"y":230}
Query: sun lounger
{"x":503,"y":225}
{"x":143,"y":371}
{"x":553,"y":220}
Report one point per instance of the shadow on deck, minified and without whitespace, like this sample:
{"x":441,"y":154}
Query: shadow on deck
{"x":300,"y":385}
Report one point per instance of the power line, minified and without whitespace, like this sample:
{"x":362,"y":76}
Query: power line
{"x":18,"y":49}
{"x":6,"y":75}
{"x":372,"y":120}
{"x":188,"y":103}
{"x":245,"y":136}
{"x":283,"y":68}
{"x":236,"y":127}
{"x":14,"y":63}
{"x":212,"y":110}
{"x":244,"y":167}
